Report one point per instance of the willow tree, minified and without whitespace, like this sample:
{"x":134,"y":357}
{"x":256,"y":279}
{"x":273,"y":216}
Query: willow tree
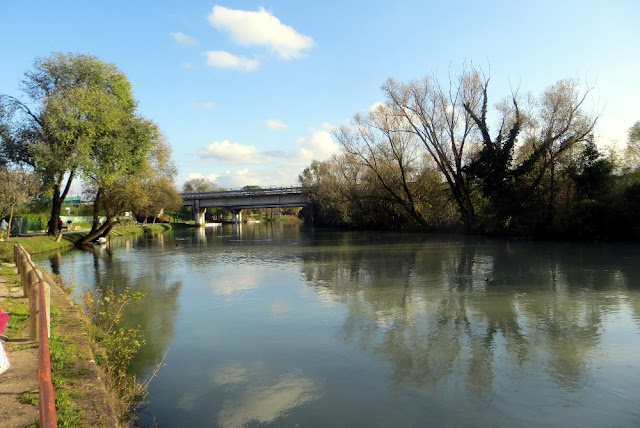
{"x":74,"y":105}
{"x":436,"y":116}
{"x":121,"y":156}
{"x":391,"y":157}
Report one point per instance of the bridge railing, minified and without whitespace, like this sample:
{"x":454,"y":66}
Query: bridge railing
{"x":244,"y":192}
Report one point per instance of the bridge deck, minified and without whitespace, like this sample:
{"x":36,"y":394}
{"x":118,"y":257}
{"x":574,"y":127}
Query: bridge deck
{"x":253,"y":198}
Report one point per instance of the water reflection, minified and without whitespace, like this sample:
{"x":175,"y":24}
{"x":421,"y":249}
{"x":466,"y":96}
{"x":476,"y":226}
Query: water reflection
{"x":470,"y":310}
{"x":263,"y":400}
{"x":111,"y":265}
{"x":281,"y":326}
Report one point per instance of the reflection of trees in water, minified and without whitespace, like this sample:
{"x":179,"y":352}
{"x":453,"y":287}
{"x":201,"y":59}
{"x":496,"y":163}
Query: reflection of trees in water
{"x":155,"y":314}
{"x":466,"y":311}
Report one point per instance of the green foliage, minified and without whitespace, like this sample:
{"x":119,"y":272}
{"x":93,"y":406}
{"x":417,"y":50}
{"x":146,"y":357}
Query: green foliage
{"x":117,"y":345}
{"x":67,"y":414}
{"x":81,"y":121}
{"x":29,"y":398}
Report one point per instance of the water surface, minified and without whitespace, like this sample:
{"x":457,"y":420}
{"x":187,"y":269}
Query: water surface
{"x":278,"y":326}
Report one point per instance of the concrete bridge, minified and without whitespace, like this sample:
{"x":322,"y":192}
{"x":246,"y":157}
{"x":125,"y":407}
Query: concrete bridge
{"x":237,"y":200}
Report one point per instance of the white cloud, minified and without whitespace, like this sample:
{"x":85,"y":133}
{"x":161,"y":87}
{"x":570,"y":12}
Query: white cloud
{"x":242,"y":177}
{"x":192,"y":175}
{"x":202,"y":105}
{"x":276,"y":124}
{"x":266,"y":167}
{"x":261,"y":28}
{"x":319,"y":146}
{"x":184,"y":39}
{"x":231,"y":152}
{"x":223,"y":59}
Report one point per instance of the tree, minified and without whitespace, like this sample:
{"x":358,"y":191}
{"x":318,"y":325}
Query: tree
{"x":135,"y":174}
{"x":437,"y":116}
{"x":390,"y":155}
{"x":77,"y":104}
{"x":633,"y":144}
{"x":199,"y":185}
{"x":508,"y":176}
{"x":16,"y":187}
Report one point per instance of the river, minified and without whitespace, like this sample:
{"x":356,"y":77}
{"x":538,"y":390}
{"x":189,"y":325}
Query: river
{"x":276,"y":325}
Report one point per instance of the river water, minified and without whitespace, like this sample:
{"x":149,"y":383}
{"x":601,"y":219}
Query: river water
{"x":280,"y":326}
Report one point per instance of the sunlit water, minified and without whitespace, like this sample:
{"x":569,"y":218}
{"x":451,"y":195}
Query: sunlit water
{"x":273,"y":325}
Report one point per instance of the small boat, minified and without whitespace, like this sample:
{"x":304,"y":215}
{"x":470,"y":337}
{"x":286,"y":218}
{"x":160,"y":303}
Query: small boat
{"x":212,"y":224}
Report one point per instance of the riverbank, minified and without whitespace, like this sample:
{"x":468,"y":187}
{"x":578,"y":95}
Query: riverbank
{"x":43,"y":243}
{"x":81,"y":397}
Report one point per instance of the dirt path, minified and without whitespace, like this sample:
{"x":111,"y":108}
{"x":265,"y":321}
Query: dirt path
{"x":22,"y":376}
{"x":90,"y":396}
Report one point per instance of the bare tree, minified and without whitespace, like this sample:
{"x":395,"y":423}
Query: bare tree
{"x":392,"y":157}
{"x":437,"y":117}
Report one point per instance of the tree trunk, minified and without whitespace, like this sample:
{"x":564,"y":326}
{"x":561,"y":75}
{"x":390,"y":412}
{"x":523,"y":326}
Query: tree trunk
{"x":95,"y":225}
{"x":9,"y":225}
{"x":57,"y":201}
{"x":56,"y":206}
{"x":102,"y":230}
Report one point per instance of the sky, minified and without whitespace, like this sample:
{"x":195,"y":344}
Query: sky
{"x":248,"y":92}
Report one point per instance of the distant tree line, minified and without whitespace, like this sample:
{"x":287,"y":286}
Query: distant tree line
{"x":438,"y":157}
{"x":78,"y":119}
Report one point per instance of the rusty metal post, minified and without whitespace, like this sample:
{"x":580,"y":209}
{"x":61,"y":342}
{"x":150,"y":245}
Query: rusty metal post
{"x":47,"y":406}
{"x":39,"y":310}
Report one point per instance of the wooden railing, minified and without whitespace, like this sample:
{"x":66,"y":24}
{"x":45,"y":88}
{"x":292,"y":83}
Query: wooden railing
{"x":38,"y":292}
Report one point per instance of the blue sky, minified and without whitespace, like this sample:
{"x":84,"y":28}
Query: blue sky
{"x":247,"y":92}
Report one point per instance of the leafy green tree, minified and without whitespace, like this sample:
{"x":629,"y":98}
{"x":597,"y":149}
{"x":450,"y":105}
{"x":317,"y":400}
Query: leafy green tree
{"x":135,"y":174}
{"x":16,"y":187}
{"x":77,"y":107}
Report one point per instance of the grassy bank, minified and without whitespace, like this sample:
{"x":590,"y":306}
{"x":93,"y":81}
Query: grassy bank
{"x":44,"y":243}
{"x":36,"y":244}
{"x":84,"y":355}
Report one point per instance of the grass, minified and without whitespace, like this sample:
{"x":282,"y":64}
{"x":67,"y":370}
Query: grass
{"x":132,"y":230}
{"x":19,"y":312}
{"x":62,"y":355}
{"x":36,"y":244}
{"x":63,"y":374}
{"x":119,"y":345}
{"x":43,"y":243}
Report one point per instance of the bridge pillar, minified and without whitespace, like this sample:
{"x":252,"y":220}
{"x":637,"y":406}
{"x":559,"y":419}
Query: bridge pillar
{"x":236,"y":215}
{"x":199,"y":217}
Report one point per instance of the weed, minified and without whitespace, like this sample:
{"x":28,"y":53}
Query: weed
{"x":66,"y":412}
{"x":115,"y":347}
{"x":29,"y":397}
{"x":19,"y":317}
